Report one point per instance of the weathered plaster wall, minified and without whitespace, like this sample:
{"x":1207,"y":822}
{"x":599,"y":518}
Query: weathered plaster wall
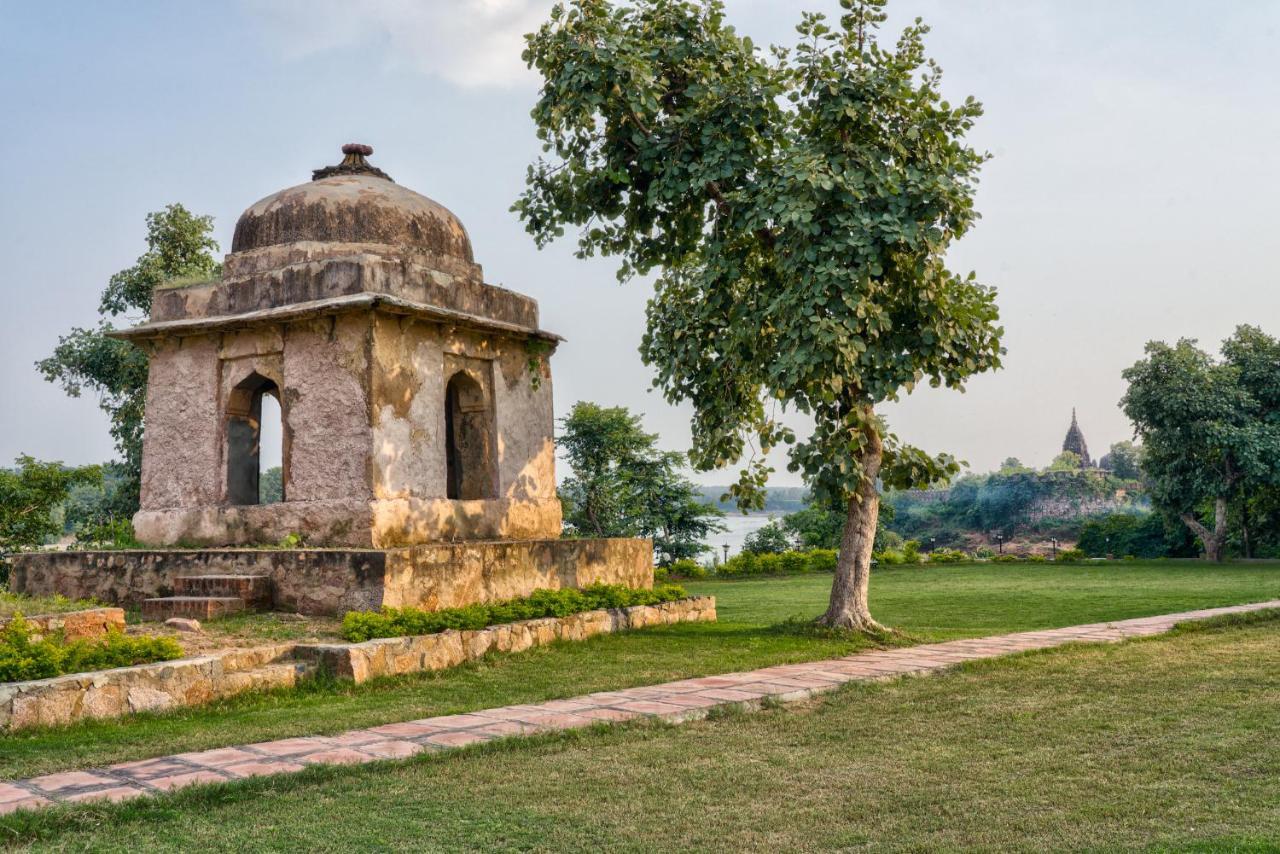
{"x":412,"y":363}
{"x":326,"y":365}
{"x":364,"y":444}
{"x":181,"y":451}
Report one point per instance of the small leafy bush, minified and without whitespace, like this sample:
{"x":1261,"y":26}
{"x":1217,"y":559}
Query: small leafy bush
{"x":24,"y":656}
{"x":1036,"y":559}
{"x":947,"y":556}
{"x":660,"y":573}
{"x":911,"y":551}
{"x":360,"y":626}
{"x":783,"y":563}
{"x":109,"y":533}
{"x":685,"y":568}
{"x":768,"y":539}
{"x":1005,"y":559}
{"x":1071,"y":556}
{"x":889,"y":557}
{"x":822,"y":560}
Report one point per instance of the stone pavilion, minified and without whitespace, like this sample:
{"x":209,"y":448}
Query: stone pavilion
{"x":416,"y":412}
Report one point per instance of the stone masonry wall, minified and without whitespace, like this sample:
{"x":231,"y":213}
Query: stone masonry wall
{"x":193,"y":681}
{"x":333,"y":581}
{"x":157,"y":687}
{"x":361,"y":662}
{"x":76,"y":625}
{"x":456,"y":574}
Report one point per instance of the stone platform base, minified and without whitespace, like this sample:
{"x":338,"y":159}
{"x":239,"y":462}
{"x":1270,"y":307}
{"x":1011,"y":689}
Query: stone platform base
{"x":334,"y":581}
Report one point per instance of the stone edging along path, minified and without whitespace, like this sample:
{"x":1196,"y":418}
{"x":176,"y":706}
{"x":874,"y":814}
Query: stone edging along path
{"x":165,"y":685}
{"x":680,"y":701}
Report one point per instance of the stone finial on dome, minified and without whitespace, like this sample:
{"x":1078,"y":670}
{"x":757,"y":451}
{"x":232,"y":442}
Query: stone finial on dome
{"x":353,"y":163}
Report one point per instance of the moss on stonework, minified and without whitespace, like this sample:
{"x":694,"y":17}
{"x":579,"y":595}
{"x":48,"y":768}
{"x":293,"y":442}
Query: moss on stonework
{"x":187,"y":282}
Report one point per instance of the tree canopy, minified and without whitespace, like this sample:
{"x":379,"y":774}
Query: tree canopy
{"x":1123,"y":460}
{"x":623,"y":485}
{"x":178,"y":245}
{"x":28,"y":495}
{"x":795,"y":206}
{"x":1210,"y":427}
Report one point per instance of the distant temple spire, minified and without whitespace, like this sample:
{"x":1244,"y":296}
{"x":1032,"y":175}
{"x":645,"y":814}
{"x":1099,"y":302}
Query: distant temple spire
{"x":1075,"y":442}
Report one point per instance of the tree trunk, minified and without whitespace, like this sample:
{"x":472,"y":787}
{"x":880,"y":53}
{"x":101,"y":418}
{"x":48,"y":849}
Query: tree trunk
{"x":848,"y":608}
{"x":1215,"y":540}
{"x":1245,"y":545}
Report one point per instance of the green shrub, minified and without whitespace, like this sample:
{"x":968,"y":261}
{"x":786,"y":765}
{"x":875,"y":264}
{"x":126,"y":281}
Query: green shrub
{"x":660,"y":573}
{"x":911,"y":551}
{"x":360,"y":626}
{"x":823,"y":560}
{"x":771,"y":538}
{"x":783,"y":563}
{"x":984,"y":553}
{"x":1071,"y":556}
{"x":23,"y":657}
{"x":889,"y":557}
{"x":110,"y":533}
{"x":686,"y":568}
{"x":793,"y":563}
{"x":1005,"y":559}
{"x":1036,"y":559}
{"x":947,"y":556}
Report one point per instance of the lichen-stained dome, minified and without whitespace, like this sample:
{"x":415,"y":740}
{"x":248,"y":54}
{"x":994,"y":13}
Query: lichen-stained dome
{"x":353,"y":202}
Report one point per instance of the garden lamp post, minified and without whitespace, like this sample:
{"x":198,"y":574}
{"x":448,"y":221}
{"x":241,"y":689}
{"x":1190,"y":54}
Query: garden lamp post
{"x":933,"y":543}
{"x":1000,"y":542}
{"x":726,"y":552}
{"x":1054,"y":542}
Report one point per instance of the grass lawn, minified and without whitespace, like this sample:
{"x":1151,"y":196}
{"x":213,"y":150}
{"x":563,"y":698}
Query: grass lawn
{"x":933,"y":603}
{"x":1166,"y":742}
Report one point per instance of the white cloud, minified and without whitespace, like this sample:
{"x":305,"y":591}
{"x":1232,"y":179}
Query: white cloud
{"x":472,"y":43}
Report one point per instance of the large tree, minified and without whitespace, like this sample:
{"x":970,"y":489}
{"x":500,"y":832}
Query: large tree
{"x":796,"y":206}
{"x":623,"y":485}
{"x":1210,"y":428}
{"x":179,"y":245}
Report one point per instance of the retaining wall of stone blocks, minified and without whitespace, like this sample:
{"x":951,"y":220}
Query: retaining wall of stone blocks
{"x":333,"y":581}
{"x":76,"y":625}
{"x":397,"y":656}
{"x":193,"y":681}
{"x":155,"y":687}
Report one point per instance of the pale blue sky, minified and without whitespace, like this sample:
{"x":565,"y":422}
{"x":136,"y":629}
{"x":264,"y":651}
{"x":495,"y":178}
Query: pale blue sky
{"x":1131,"y":196}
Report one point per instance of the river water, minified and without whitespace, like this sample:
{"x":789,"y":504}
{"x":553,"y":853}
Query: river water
{"x":739,"y":526}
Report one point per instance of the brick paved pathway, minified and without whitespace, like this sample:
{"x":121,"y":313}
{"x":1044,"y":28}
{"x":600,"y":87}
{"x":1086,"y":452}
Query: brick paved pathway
{"x":684,"y":700}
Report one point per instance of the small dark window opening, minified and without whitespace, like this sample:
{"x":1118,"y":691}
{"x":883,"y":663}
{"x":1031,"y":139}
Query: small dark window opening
{"x":468,"y":440}
{"x":244,"y":438}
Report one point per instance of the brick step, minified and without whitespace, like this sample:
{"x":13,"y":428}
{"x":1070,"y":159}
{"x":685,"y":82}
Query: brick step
{"x":200,"y":607}
{"x":255,"y":590}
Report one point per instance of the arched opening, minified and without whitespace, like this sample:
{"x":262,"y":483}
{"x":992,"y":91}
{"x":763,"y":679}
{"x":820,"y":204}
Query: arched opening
{"x":468,"y":440}
{"x":245,"y":462}
{"x":271,"y":451}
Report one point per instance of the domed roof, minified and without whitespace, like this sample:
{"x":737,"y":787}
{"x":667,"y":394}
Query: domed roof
{"x":353,"y":202}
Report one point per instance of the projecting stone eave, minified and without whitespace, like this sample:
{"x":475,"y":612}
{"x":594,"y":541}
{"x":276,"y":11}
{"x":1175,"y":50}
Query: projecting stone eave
{"x":333,"y":305}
